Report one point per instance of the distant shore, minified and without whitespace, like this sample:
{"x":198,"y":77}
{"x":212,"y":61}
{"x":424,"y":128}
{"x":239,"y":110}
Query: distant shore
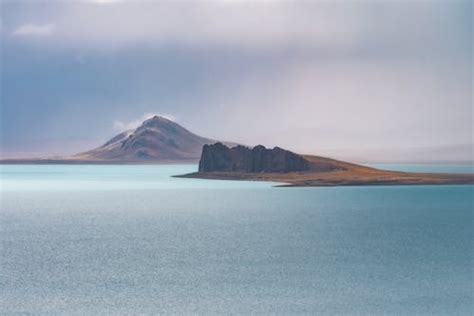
{"x":93,"y":162}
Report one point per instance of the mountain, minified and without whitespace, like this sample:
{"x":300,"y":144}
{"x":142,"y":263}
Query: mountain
{"x":157,"y":139}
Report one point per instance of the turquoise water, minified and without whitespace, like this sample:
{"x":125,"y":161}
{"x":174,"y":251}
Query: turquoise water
{"x":466,"y":168}
{"x":131,"y":240}
{"x":108,"y":178}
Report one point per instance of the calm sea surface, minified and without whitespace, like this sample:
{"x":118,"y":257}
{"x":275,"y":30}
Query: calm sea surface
{"x":131,"y":240}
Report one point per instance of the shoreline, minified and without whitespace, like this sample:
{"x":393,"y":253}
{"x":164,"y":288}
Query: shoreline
{"x":93,"y":162}
{"x":369,"y":177}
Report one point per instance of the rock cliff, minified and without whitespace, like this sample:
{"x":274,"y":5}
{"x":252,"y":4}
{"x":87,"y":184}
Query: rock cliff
{"x":218,"y":157}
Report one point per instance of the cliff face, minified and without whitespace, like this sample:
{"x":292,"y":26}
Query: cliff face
{"x":218,"y":157}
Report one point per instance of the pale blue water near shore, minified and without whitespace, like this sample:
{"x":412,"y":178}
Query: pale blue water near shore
{"x":427,"y":168}
{"x":131,"y":240}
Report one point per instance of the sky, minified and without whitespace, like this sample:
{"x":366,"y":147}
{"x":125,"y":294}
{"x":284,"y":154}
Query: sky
{"x":376,"y":81}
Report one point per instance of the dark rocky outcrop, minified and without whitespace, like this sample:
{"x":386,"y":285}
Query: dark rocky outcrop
{"x":218,"y":157}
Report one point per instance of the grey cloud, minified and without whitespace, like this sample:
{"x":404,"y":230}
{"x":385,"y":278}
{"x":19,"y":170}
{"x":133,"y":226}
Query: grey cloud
{"x":360,"y":27}
{"x":317,"y":77}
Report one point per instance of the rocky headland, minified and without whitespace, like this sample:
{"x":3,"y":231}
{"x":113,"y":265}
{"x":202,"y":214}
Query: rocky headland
{"x":290,"y":169}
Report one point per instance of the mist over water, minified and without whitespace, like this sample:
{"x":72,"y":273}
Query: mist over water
{"x":130,"y":239}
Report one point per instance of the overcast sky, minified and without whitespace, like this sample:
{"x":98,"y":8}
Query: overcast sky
{"x":363,"y":80}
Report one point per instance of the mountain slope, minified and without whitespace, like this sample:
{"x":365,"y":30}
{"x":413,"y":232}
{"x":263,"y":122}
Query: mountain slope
{"x":157,"y":139}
